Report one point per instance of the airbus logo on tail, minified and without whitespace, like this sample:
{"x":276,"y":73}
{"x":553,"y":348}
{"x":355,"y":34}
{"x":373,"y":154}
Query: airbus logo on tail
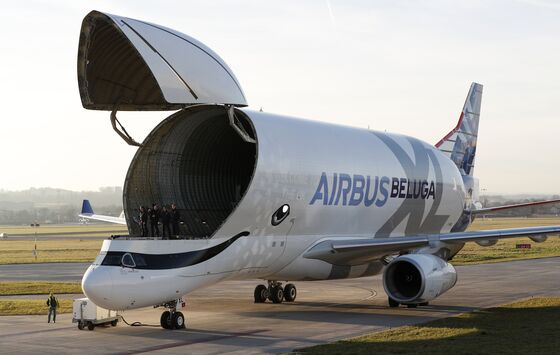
{"x":354,"y":190}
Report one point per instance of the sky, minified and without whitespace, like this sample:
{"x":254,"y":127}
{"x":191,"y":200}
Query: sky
{"x":400,"y":66}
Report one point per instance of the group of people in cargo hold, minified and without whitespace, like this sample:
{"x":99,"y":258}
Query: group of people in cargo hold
{"x":168,"y":217}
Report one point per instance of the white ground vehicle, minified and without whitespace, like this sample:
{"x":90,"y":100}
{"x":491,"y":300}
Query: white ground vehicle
{"x":88,"y":314}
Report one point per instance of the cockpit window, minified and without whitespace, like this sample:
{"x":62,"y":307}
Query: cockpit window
{"x":139,"y":260}
{"x":127,"y":260}
{"x":112,"y":259}
{"x":99,"y":259}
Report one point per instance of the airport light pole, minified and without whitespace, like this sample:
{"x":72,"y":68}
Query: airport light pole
{"x":35,"y":226}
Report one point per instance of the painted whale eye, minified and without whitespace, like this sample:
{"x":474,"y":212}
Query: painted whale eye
{"x":280,"y":215}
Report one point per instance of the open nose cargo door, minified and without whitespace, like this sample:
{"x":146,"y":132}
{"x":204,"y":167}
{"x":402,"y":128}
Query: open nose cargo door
{"x":127,"y":64}
{"x":202,"y":157}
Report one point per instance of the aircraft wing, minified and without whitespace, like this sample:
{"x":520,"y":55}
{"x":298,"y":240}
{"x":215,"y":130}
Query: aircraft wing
{"x":87,"y":212}
{"x":507,"y":207}
{"x":344,"y":251}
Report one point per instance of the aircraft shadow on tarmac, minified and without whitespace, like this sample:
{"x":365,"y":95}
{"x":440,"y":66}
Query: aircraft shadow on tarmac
{"x":362,"y":315}
{"x":431,"y":308}
{"x":191,"y":336}
{"x":356,"y":318}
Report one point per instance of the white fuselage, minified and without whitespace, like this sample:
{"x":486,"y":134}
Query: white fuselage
{"x":339,"y":182}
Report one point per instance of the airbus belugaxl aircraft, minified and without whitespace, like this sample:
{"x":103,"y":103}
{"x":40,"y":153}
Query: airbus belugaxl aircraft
{"x":265,"y":196}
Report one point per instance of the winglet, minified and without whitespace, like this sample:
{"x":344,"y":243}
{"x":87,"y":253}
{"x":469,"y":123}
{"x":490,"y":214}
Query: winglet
{"x":86,"y":208}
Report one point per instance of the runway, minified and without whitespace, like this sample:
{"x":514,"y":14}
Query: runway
{"x":43,"y":272}
{"x":224,"y":319}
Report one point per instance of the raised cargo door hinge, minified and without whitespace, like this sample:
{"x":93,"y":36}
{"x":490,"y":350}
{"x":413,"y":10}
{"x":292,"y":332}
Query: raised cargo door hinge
{"x":121,"y":131}
{"x":237,"y":125}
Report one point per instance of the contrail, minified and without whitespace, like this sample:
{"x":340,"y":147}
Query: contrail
{"x":331,"y":13}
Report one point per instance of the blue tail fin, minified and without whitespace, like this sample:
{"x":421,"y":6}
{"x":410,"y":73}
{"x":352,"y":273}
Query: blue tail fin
{"x":460,"y":144}
{"x":86,"y":207}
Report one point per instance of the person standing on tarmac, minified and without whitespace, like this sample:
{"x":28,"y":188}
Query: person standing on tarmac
{"x":165,"y":221}
{"x":52,"y":302}
{"x":175,"y":217}
{"x":154,"y":220}
{"x":144,"y":221}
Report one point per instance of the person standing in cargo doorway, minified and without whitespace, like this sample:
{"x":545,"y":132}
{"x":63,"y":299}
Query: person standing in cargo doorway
{"x":52,"y":302}
{"x":165,"y":218}
{"x":144,"y":221}
{"x":175,"y":218}
{"x":154,"y":220}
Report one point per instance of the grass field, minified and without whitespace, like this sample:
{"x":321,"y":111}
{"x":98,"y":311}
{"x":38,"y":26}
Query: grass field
{"x":71,"y":250}
{"x":505,"y":249}
{"x":496,"y":223}
{"x":29,"y":307}
{"x":85,"y":250}
{"x":526,"y":327}
{"x":11,"y":288}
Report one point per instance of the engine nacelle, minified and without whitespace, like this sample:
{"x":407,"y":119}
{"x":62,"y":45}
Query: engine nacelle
{"x":487,"y":242}
{"x":538,"y":238}
{"x":418,"y":278}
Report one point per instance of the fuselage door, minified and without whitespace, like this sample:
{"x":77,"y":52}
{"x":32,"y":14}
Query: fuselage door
{"x":128,"y":64}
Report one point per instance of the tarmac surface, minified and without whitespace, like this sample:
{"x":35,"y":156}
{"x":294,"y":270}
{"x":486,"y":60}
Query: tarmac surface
{"x":43,"y":272}
{"x":224,"y":319}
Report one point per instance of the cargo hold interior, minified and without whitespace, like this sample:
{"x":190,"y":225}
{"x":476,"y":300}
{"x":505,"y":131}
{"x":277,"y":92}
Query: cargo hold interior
{"x":195,"y":159}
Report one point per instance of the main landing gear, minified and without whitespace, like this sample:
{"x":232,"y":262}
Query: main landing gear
{"x":173,"y":319}
{"x":275,"y":292}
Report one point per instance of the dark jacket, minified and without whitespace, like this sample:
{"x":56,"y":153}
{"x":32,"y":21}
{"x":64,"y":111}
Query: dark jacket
{"x":165,"y":217}
{"x":143,"y":217}
{"x":154,"y":216}
{"x":175,"y":216}
{"x":52,"y":302}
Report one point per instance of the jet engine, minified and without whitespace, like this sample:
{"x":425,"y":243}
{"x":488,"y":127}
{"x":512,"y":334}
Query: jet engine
{"x":418,"y":278}
{"x":486,"y":242}
{"x":538,"y":238}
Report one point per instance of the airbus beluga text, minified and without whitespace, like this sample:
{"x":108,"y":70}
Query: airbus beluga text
{"x":266,"y":196}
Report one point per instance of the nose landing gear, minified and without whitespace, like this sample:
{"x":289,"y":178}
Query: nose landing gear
{"x":173,"y":318}
{"x":275,"y":292}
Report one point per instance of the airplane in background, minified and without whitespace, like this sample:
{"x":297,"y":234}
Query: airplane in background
{"x":88,"y":214}
{"x":266,"y":196}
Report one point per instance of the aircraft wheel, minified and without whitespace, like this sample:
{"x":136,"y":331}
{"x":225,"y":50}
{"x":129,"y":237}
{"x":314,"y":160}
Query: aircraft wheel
{"x":178,"y":320}
{"x":277,"y":294}
{"x":393,"y":303}
{"x":165,"y":320}
{"x":290,"y":293}
{"x":424,"y":304}
{"x":261,"y":294}
{"x":412,"y":305}
{"x":91,"y":326}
